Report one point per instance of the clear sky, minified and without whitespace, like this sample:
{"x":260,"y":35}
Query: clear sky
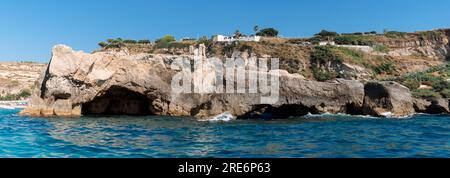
{"x":29,"y":28}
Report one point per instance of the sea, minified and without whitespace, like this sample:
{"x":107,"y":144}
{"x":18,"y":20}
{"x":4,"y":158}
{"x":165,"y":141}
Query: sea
{"x":312,"y":136}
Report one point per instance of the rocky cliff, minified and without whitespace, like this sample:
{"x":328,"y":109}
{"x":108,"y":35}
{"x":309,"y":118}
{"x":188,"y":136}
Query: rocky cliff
{"x":105,"y":82}
{"x":16,"y":77}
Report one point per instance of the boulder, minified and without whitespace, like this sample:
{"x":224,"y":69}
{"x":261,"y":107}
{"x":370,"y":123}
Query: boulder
{"x":439,"y":106}
{"x":387,"y":99}
{"x":421,"y":105}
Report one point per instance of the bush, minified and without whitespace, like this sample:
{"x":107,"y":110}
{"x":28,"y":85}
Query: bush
{"x":10,"y":97}
{"x":323,"y":75}
{"x":24,"y":94}
{"x":144,"y":42}
{"x":412,"y":84}
{"x":355,"y":40}
{"x":112,"y":43}
{"x":381,"y":48}
{"x":427,"y":94}
{"x":204,"y":40}
{"x":269,"y":32}
{"x":430,"y":34}
{"x":386,"y":68}
{"x":445,"y":93}
{"x":130,"y":41}
{"x":323,"y":54}
{"x":103,"y":44}
{"x":167,"y":38}
{"x":325,"y":33}
{"x":395,"y":34}
{"x":440,"y":84}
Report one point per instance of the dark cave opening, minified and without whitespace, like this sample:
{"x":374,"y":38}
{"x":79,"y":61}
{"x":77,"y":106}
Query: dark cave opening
{"x":118,"y":101}
{"x":281,"y":112}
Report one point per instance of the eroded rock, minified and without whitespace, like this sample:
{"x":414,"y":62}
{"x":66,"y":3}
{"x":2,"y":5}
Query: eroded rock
{"x":78,"y":83}
{"x":387,"y":99}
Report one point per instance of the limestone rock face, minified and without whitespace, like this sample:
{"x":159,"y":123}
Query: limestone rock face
{"x":421,"y":105}
{"x":387,"y":99}
{"x":433,"y":106}
{"x":77,"y":83}
{"x":439,"y":106}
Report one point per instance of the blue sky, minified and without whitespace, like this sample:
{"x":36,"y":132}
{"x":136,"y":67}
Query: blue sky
{"x":29,"y":28}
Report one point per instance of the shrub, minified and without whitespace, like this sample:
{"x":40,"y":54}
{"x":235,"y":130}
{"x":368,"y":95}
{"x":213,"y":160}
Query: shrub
{"x":430,"y":34}
{"x":112,"y":43}
{"x":323,"y":54}
{"x":412,"y":84}
{"x":144,"y":42}
{"x":204,"y":40}
{"x":355,"y":56}
{"x":269,"y":32}
{"x":395,"y":34}
{"x":103,"y":44}
{"x":381,"y":48}
{"x":23,"y":94}
{"x":130,"y":41}
{"x":387,"y":68}
{"x":323,"y":75}
{"x":445,"y":93}
{"x":325,"y":33}
{"x":440,"y":84}
{"x":167,"y":38}
{"x":427,"y":94}
{"x":355,"y":40}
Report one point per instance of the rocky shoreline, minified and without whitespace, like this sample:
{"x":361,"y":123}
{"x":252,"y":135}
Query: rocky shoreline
{"x":77,"y":83}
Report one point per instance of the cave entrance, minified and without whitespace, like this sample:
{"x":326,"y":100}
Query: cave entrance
{"x":118,"y":101}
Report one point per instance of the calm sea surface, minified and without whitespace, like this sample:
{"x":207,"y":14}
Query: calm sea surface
{"x":329,"y":136}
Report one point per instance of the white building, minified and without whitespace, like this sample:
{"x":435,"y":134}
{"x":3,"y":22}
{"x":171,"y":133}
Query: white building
{"x":222,"y":38}
{"x":324,"y":43}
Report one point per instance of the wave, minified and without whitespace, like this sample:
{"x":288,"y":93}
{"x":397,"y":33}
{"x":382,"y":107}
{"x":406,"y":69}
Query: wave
{"x":224,"y":117}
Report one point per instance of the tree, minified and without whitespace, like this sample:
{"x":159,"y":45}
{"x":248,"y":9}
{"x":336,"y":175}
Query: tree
{"x":102,"y":44}
{"x":325,"y":33}
{"x":144,"y":42}
{"x":166,"y":39}
{"x":269,"y":32}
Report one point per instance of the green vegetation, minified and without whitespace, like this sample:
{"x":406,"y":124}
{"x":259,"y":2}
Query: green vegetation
{"x":12,"y":97}
{"x":381,"y":48}
{"x":426,"y":94}
{"x":119,"y":43}
{"x":395,"y":34}
{"x":204,"y":40}
{"x":168,"y":41}
{"x":436,"y":77}
{"x":324,"y":54}
{"x":323,"y":75}
{"x":325,"y":33}
{"x":385,"y":68}
{"x":268,"y":32}
{"x":167,"y":38}
{"x":144,"y":42}
{"x":445,"y":93}
{"x":355,"y":40}
{"x":430,"y":34}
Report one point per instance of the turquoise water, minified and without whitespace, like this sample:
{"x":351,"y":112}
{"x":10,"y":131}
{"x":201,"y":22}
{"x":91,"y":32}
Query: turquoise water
{"x":136,"y":137}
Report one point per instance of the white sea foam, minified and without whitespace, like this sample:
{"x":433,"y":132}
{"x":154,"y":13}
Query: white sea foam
{"x":224,"y":117}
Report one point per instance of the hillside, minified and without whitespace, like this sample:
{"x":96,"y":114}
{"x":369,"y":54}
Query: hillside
{"x":17,"y":78}
{"x":360,"y":56}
